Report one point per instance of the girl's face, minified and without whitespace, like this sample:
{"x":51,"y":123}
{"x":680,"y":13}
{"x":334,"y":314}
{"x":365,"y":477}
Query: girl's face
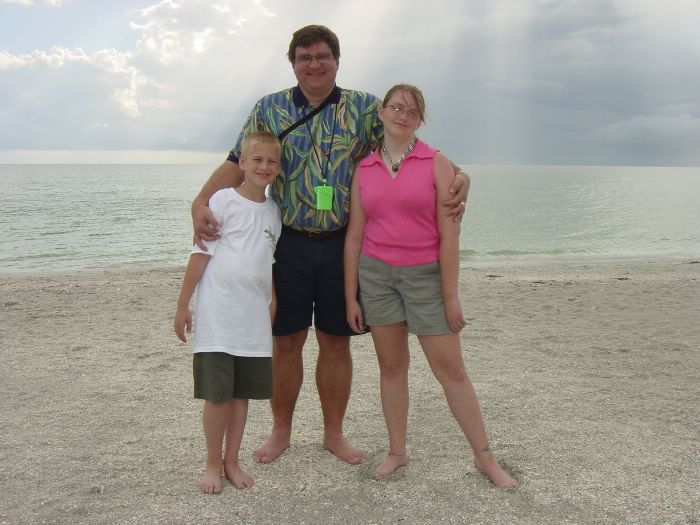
{"x":401,"y":116}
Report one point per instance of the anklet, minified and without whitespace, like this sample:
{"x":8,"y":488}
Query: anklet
{"x":486,"y":449}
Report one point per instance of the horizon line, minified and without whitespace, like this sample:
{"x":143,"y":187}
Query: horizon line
{"x":180,"y":157}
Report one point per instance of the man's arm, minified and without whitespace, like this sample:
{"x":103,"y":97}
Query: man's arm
{"x":206,"y":227}
{"x":459,"y":191}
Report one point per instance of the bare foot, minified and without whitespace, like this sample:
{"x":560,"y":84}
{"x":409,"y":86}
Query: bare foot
{"x":272,"y":448}
{"x":342,"y":448}
{"x":391,"y":464}
{"x":211,"y":480}
{"x":492,"y":470}
{"x":238,"y":477}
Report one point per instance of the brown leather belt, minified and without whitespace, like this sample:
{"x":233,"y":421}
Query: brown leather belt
{"x":315,"y":235}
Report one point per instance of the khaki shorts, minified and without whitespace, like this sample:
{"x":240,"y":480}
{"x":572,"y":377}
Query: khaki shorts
{"x":220,"y":377}
{"x":392,"y":294}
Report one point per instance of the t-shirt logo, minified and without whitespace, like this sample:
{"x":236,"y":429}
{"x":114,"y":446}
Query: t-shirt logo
{"x":271,"y":237}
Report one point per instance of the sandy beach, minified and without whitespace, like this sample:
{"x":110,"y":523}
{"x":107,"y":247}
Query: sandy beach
{"x":588,"y":375}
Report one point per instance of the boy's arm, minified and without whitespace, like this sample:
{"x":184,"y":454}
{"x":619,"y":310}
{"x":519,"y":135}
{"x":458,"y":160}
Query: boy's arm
{"x":351,"y":257}
{"x":449,"y":246}
{"x":273,"y":304}
{"x":183,"y":317}
{"x":205,"y":225}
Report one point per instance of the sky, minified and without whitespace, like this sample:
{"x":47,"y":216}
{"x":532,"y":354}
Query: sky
{"x":576,"y":82}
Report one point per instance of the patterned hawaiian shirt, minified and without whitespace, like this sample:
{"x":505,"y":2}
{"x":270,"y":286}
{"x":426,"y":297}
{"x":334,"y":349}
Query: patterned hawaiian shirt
{"x":328,"y":146}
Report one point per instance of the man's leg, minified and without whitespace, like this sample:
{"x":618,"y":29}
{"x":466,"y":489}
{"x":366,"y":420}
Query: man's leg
{"x":333,"y":380}
{"x":287,"y":377}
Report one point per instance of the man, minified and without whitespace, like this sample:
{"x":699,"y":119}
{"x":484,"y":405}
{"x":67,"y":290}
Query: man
{"x":325,"y":131}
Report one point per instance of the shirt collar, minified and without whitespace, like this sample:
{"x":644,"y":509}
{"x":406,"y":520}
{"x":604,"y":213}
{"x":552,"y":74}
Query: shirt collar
{"x":421,"y":151}
{"x":300,"y":99}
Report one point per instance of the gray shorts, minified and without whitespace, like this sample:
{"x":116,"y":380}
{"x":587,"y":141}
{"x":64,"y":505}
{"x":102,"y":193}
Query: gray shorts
{"x":391,"y":294}
{"x":220,"y":377}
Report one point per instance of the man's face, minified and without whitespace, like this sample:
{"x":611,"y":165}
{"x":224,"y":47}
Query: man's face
{"x":315,"y":68}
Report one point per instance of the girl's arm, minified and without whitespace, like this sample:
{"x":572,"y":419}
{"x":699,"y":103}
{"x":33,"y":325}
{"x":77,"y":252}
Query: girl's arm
{"x":183,"y":317}
{"x":449,"y":245}
{"x":351,"y":258}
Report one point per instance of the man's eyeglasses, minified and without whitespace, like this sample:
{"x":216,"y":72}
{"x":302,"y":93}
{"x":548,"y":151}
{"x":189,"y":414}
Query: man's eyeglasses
{"x":321,"y":58}
{"x":400,"y":110}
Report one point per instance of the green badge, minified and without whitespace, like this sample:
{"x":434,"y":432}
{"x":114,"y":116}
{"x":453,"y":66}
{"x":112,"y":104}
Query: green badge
{"x":324,"y":196}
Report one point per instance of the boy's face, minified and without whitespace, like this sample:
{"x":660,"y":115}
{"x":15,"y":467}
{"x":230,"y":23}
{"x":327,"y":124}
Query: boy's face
{"x":261,"y":164}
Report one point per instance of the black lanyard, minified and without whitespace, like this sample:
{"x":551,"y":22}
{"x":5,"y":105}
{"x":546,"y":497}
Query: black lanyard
{"x":305,"y":118}
{"x":330,"y":149}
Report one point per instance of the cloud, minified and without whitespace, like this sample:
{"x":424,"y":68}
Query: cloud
{"x":505,"y":80}
{"x":174,"y":32}
{"x":159,"y":94}
{"x":52,"y":3}
{"x":56,"y":58}
{"x":650,"y":130}
{"x":125,"y":79}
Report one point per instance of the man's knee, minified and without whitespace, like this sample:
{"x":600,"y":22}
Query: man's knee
{"x":334,"y":345}
{"x":289,"y":345}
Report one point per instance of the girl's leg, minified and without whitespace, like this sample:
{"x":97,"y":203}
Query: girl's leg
{"x":214,"y":420}
{"x":445,"y":359}
{"x":391,"y":346}
{"x":234,"y":436}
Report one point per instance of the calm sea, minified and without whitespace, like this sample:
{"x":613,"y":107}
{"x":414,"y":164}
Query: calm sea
{"x":69,"y":217}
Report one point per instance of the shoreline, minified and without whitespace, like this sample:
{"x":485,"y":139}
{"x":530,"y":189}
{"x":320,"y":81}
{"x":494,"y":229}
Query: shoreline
{"x":466,"y":262}
{"x":588,"y":375}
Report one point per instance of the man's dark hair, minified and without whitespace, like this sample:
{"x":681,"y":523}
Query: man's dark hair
{"x":309,"y":35}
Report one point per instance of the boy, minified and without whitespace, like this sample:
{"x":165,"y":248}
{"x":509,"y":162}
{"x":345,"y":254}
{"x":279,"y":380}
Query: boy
{"x":235,"y":306}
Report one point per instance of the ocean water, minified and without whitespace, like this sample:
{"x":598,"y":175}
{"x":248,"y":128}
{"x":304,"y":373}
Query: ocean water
{"x":74,"y":217}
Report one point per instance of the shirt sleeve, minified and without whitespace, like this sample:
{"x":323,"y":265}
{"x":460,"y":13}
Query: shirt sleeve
{"x":217,"y":205}
{"x":372,"y":129}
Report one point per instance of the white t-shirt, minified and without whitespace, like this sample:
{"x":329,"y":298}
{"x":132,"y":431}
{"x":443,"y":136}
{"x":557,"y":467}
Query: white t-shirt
{"x":233,"y":296}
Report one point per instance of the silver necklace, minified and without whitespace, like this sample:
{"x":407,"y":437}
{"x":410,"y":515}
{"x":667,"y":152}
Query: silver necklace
{"x":395,"y":165}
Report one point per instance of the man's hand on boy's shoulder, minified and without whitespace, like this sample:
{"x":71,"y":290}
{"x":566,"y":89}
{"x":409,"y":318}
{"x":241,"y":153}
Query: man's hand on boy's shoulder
{"x":205,"y":225}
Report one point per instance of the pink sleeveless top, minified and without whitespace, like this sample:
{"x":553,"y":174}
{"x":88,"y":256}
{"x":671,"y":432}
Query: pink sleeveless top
{"x":401,"y":225}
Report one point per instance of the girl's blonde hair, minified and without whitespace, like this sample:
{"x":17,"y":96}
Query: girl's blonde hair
{"x":412,"y":90}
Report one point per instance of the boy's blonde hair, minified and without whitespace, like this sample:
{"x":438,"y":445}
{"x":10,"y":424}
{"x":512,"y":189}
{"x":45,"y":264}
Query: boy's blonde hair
{"x":260,"y":137}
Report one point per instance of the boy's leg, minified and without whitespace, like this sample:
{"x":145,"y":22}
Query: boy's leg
{"x":391,"y":346}
{"x":238,"y":414}
{"x":214,"y":420}
{"x":445,"y":359}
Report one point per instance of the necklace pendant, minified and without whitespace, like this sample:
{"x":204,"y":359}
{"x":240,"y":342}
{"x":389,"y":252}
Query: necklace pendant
{"x":394,"y":168}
